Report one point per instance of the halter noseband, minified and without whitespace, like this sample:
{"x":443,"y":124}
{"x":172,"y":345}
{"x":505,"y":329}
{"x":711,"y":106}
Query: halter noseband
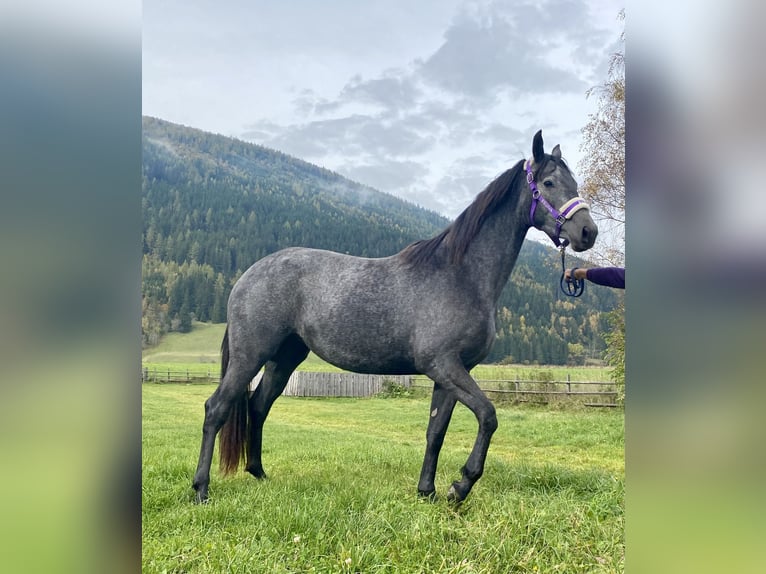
{"x":561,"y":217}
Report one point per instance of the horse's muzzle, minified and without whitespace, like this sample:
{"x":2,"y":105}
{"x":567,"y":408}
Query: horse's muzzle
{"x":584,"y":239}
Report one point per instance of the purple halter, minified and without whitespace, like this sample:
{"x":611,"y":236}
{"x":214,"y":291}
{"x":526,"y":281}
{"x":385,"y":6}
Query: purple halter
{"x":561,"y":217}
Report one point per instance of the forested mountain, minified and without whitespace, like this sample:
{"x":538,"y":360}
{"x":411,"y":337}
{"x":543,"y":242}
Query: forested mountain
{"x":213,"y":205}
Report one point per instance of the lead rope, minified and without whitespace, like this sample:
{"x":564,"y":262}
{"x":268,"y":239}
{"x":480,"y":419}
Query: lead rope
{"x":570,"y":287}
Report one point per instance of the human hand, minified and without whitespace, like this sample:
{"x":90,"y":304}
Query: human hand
{"x":576,"y":273}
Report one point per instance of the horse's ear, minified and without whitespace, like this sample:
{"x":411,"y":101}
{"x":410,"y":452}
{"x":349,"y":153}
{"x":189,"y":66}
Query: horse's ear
{"x":537,"y":147}
{"x":556,"y":152}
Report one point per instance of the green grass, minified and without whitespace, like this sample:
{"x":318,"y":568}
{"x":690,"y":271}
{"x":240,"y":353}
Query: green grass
{"x":201,"y":345}
{"x":199,"y":353}
{"x":341,"y":496}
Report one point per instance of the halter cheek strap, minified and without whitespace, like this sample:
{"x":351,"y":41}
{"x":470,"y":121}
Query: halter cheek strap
{"x":567,"y":210}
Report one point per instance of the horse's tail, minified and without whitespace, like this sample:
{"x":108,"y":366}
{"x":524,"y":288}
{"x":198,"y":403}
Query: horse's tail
{"x":232,"y":441}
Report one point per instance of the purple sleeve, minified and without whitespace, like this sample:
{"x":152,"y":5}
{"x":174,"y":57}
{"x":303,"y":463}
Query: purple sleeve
{"x":607,"y":276}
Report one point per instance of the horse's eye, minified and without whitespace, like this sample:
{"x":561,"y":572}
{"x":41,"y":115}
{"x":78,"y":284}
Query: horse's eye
{"x":548,"y":183}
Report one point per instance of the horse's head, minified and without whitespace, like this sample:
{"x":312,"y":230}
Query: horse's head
{"x":556,"y":208}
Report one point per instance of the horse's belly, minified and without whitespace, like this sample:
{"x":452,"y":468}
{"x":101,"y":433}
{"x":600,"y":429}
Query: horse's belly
{"x":368,"y":351}
{"x":366,"y":359}
{"x":394,"y":367}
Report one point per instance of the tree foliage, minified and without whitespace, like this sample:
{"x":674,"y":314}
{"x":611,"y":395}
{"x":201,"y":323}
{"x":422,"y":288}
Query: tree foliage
{"x":615,"y":353}
{"x":603,"y":165}
{"x":603,"y":169}
{"x":537,"y":324}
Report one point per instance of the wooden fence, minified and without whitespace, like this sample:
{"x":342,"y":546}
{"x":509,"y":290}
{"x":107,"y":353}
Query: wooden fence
{"x":300,"y":384}
{"x":153,"y":375}
{"x":589,"y":393}
{"x":307,"y":384}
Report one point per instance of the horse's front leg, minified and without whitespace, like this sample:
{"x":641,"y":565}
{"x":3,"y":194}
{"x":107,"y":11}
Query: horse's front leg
{"x":442,"y":405}
{"x":450,"y":373}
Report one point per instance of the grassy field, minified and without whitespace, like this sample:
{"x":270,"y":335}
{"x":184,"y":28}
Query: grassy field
{"x":341,"y":496}
{"x":199,"y":347}
{"x":198,"y":352}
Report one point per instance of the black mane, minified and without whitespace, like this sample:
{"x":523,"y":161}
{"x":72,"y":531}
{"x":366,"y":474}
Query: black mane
{"x":458,"y":235}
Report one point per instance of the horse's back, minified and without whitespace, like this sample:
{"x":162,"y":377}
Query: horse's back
{"x":313,"y":272}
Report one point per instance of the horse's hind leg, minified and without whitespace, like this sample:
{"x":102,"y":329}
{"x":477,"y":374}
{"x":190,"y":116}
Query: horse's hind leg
{"x":217,"y":409}
{"x":275,"y":376}
{"x":442,"y":405}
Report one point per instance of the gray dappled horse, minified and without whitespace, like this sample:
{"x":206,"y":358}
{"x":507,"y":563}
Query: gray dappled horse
{"x":429,"y":309}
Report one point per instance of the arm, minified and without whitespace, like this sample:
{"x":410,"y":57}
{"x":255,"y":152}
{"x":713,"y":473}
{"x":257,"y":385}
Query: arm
{"x":607,"y":276}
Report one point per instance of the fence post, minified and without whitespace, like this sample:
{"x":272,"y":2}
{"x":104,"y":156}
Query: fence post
{"x":569,"y":385}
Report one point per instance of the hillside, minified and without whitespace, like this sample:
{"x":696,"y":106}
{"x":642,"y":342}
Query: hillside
{"x":213,"y":205}
{"x":226,"y":203}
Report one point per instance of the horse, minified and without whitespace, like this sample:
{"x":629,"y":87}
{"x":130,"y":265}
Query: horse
{"x":427,"y":310}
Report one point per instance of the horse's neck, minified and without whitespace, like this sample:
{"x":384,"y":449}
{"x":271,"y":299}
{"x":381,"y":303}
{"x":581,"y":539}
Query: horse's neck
{"x":493,"y":252}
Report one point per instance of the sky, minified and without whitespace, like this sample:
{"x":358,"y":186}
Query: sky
{"x":427,"y":100}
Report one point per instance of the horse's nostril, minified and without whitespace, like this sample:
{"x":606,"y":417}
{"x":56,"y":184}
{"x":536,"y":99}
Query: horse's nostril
{"x":588,"y":234}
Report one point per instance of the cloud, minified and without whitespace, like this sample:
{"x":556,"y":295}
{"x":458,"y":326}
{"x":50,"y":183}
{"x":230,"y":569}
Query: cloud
{"x":497,"y":49}
{"x":392,"y":91}
{"x":392,"y":176}
{"x":500,"y":72}
{"x":356,"y":135}
{"x":464,"y":180}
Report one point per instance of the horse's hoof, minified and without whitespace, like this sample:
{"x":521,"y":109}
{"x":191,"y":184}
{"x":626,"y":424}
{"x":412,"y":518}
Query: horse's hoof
{"x":427,"y":495}
{"x":200,"y":495}
{"x":454,"y":495}
{"x":258,"y":473}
